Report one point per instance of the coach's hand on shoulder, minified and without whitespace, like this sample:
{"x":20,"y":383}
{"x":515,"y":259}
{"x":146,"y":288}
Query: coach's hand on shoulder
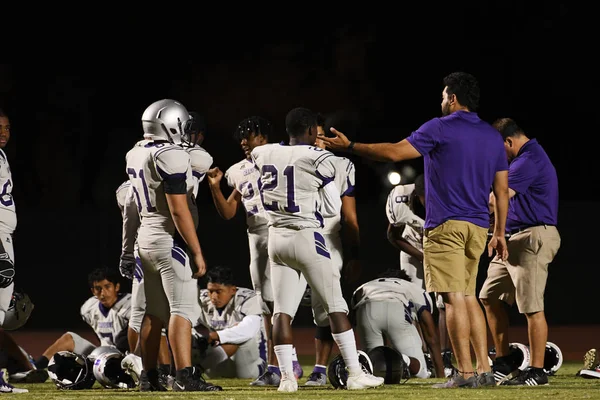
{"x":339,"y":142}
{"x":214,"y":176}
{"x":7,"y":271}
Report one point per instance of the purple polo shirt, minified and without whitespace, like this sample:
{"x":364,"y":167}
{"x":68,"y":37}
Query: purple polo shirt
{"x":533,"y":177}
{"x":461,"y":154}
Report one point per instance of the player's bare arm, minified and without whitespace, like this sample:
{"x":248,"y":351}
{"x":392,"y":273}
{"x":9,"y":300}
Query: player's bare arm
{"x":500,"y":190}
{"x":226,"y":208}
{"x":394,"y":152}
{"x":394,"y":235}
{"x":182,"y":217}
{"x":430,"y":334}
{"x":351,"y":236}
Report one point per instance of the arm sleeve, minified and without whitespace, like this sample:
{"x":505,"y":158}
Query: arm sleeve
{"x":242,"y":332}
{"x":131,"y":222}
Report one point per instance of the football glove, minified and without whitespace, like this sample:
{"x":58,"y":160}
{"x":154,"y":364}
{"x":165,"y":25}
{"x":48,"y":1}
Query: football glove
{"x":127,"y":265}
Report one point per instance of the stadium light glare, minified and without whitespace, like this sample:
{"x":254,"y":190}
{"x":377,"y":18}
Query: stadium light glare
{"x":394,"y":178}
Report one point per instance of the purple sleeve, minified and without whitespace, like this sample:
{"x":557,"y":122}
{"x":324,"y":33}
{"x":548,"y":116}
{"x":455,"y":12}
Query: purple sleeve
{"x":521,"y":174}
{"x":425,"y":139}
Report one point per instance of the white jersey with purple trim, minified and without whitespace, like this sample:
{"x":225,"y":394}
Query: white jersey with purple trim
{"x":148,"y":165}
{"x":8,"y":214}
{"x":243,"y":177}
{"x":244,"y":302}
{"x":200,"y":162}
{"x":399,"y":213}
{"x":414,"y":298}
{"x":345,"y":181}
{"x":292,"y":182}
{"x":107,"y":323}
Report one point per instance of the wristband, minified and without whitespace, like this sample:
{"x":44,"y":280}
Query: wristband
{"x":351,"y":146}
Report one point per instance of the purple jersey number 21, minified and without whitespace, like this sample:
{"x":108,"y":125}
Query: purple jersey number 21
{"x":288,"y":172}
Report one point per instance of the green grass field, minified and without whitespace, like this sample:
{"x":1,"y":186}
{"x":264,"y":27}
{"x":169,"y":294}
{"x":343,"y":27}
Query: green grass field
{"x":562,"y":386}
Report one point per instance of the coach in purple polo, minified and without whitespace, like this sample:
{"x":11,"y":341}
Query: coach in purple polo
{"x":464,"y":157}
{"x":533,"y":243}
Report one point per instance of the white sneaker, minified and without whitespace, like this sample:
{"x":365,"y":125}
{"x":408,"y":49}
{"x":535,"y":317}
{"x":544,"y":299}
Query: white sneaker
{"x":288,"y":384}
{"x":6,"y":387}
{"x":363,"y":381}
{"x":132,"y":365}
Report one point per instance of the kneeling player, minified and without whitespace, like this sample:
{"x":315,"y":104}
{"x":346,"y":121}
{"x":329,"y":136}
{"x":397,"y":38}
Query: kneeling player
{"x":234,"y":345}
{"x":379,"y":304}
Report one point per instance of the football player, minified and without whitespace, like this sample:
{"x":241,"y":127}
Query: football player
{"x":385,"y":307}
{"x":294,"y":181}
{"x":106,"y":312}
{"x":233,"y":328}
{"x":242,"y":178}
{"x":350,"y":237}
{"x":168,"y":247}
{"x":8,"y":221}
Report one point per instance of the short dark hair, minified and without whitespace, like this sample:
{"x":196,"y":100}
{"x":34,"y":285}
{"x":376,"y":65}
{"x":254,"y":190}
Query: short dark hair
{"x":465,"y":87}
{"x":255,"y":124}
{"x":321,"y":120}
{"x":220,"y":275}
{"x":100,"y":274}
{"x":507,"y":128}
{"x":395,"y":273}
{"x":2,"y":113}
{"x":299,"y":120}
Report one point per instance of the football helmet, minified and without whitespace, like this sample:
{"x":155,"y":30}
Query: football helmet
{"x":553,"y":358}
{"x":109,"y":373}
{"x":194,"y":130}
{"x":71,"y":371}
{"x":388,"y":364}
{"x":165,"y":120}
{"x":337,"y":373}
{"x":101,"y":350}
{"x":18,"y":312}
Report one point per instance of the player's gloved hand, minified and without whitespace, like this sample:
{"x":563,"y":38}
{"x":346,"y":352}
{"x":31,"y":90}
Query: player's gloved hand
{"x":7,"y":271}
{"x":127,"y":265}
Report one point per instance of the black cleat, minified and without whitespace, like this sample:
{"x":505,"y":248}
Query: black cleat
{"x":150,"y":382}
{"x":190,"y":380}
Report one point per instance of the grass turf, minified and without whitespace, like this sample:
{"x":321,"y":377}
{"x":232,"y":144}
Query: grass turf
{"x":565,"y":385}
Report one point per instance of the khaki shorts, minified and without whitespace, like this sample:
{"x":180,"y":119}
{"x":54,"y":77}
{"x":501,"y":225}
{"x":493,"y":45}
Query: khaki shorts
{"x":451,"y":253}
{"x":523,"y":276}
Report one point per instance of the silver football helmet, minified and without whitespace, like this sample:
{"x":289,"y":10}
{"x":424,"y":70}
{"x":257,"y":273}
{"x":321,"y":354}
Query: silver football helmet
{"x":101,"y":350}
{"x":18,"y":312}
{"x":108,"y":372}
{"x":165,"y":120}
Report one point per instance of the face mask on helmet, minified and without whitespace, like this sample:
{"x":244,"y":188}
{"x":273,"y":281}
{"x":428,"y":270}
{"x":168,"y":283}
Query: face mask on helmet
{"x":18,"y":312}
{"x":388,"y":364}
{"x":165,"y":120}
{"x":337,"y":373}
{"x":194,"y":130}
{"x":108,"y":372}
{"x":70,"y":371}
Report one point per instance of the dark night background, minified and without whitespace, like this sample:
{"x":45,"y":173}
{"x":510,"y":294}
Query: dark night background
{"x":72,"y":123}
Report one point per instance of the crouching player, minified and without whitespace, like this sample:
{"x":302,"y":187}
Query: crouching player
{"x":229,"y":341}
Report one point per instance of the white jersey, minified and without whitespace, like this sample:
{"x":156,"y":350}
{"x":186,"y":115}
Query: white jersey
{"x":345,"y":181}
{"x":414,"y":298}
{"x":8,"y":214}
{"x":149,"y":165}
{"x":243,"y":177}
{"x":292,"y":183}
{"x":107,"y":323}
{"x":130,"y":214}
{"x":200,"y":162}
{"x":399,"y":213}
{"x":244,"y":302}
